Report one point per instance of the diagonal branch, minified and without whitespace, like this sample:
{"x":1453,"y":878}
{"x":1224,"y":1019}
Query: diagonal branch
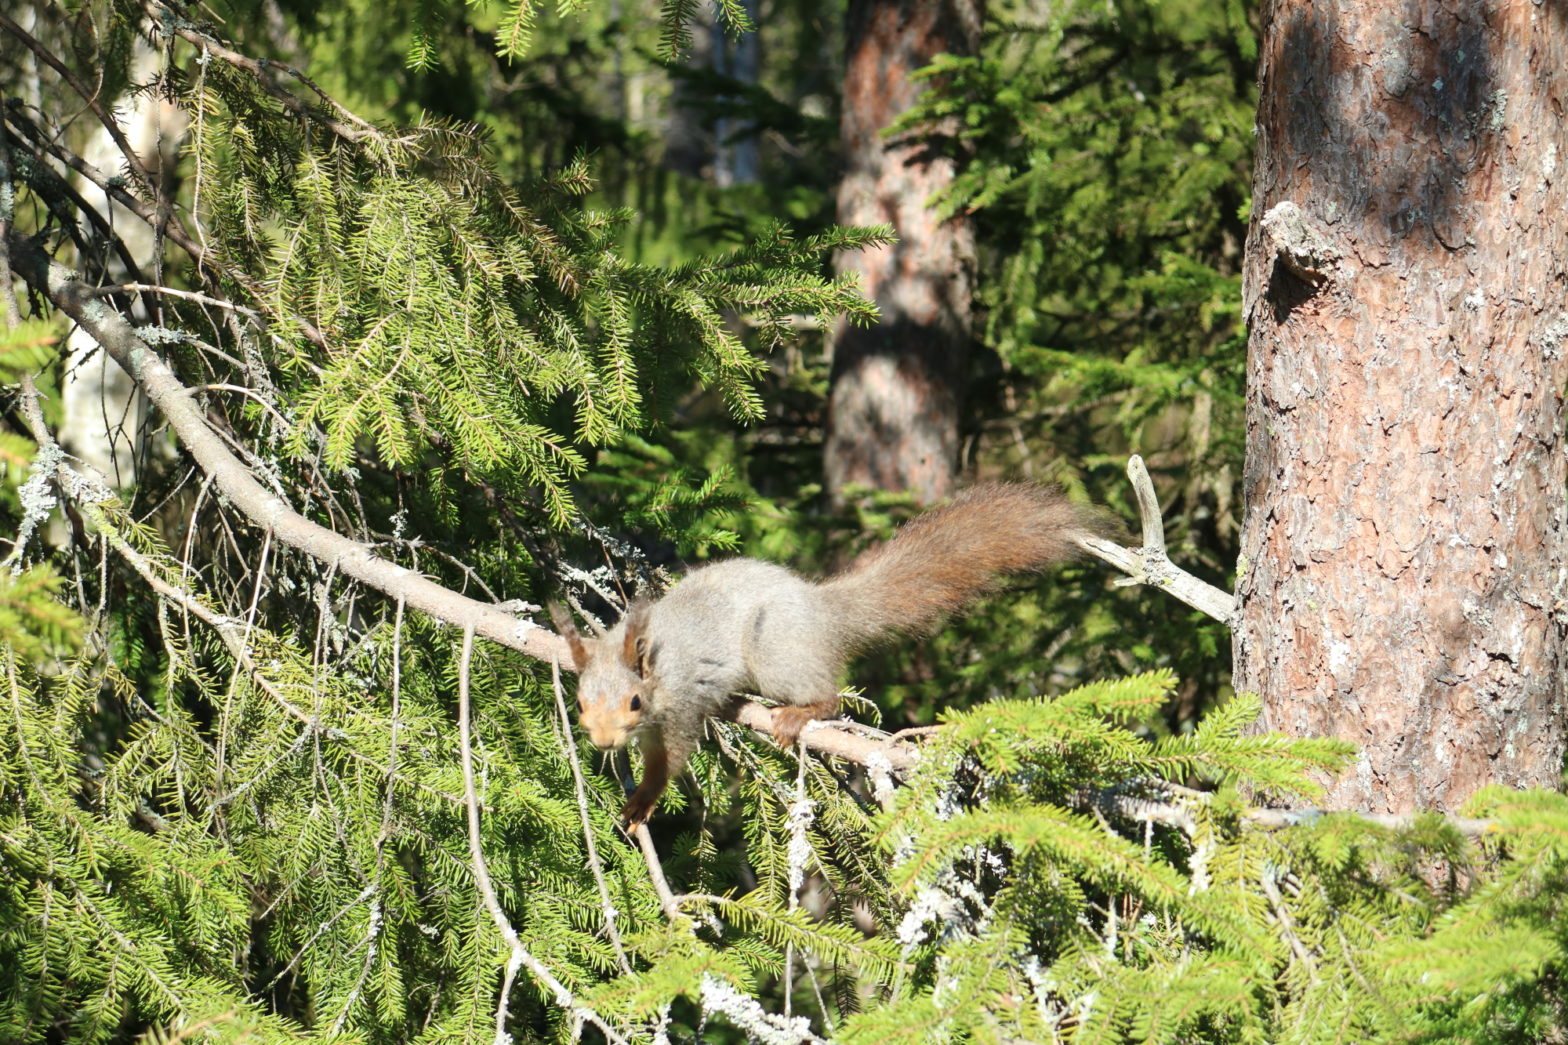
{"x":163,"y":388}
{"x":176,"y":401}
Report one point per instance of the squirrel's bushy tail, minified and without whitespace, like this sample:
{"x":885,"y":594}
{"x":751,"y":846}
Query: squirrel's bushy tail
{"x":950,"y":555}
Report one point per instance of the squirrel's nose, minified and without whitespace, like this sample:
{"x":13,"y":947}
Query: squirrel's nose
{"x":607,"y":739}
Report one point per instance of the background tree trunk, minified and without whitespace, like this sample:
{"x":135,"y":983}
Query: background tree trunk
{"x":896,"y":387}
{"x":1403,"y":549}
{"x":104,"y":414}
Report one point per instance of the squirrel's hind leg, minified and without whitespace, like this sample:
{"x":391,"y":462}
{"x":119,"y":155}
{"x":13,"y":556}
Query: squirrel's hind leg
{"x":789,"y":721}
{"x":803,"y":680}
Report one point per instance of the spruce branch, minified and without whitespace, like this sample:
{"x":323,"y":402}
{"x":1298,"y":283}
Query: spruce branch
{"x":347,"y":126}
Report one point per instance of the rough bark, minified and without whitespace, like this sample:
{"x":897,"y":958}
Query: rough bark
{"x":1403,"y":573}
{"x":896,"y":387}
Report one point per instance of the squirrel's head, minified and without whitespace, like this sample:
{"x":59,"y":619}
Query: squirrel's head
{"x":612,"y":675}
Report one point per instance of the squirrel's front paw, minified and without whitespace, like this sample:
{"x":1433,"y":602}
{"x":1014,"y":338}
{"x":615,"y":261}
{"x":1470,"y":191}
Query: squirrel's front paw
{"x":637,"y":810}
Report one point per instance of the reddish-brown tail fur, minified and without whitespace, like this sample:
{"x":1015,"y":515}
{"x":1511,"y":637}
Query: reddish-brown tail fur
{"x":950,"y":555}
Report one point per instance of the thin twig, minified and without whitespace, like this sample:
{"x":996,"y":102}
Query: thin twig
{"x":661,"y":885}
{"x":250,"y":393}
{"x":520,"y":955}
{"x":187,"y":295}
{"x":605,"y":904}
{"x":375,"y":921}
{"x":1286,"y":924}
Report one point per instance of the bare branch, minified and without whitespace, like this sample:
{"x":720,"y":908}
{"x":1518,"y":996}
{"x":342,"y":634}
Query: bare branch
{"x":1175,"y":810}
{"x":188,"y":295}
{"x":836,"y":739}
{"x":356,"y":559}
{"x":1277,"y":819}
{"x":1150,"y":564}
{"x":661,"y":884}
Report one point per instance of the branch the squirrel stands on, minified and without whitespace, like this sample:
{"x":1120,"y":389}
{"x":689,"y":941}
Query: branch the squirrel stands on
{"x":79,"y":301}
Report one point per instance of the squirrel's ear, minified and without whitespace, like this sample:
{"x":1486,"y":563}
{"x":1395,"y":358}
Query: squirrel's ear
{"x":568,"y":630}
{"x":634,"y":644}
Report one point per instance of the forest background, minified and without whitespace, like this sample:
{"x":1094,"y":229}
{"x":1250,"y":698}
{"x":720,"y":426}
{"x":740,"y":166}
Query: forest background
{"x":534,"y":301}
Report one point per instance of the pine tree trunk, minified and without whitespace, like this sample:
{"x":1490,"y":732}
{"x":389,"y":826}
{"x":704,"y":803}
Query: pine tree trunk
{"x":1403,"y":576}
{"x":896,"y":387}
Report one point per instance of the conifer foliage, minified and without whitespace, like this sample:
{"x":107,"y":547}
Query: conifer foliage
{"x":244,"y":798}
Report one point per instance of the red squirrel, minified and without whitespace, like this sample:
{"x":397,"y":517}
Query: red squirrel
{"x":746,"y":626}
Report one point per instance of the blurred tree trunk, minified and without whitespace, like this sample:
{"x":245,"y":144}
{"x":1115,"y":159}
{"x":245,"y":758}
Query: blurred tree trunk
{"x":104,"y":413}
{"x":893,"y":410}
{"x":1403,"y":575}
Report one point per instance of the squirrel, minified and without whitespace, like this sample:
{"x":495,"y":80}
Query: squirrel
{"x":747,"y":626}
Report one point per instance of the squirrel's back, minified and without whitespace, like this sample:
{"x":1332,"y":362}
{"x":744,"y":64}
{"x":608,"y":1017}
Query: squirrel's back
{"x":743,"y":625}
{"x":950,"y":555}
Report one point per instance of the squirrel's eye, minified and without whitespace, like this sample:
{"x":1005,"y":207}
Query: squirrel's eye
{"x":582,"y":706}
{"x":636,"y":704}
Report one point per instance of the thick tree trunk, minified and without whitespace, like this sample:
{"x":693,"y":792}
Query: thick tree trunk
{"x":893,"y":412}
{"x":1403,"y":577}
